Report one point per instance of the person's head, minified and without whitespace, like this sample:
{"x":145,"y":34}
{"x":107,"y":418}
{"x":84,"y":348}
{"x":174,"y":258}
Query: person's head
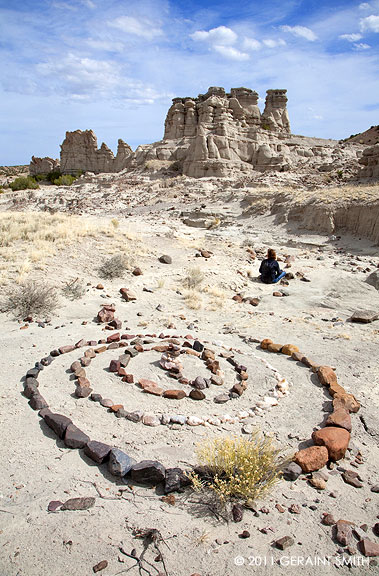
{"x":271,"y":253}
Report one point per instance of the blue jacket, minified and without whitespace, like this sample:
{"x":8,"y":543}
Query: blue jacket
{"x":269,"y":270}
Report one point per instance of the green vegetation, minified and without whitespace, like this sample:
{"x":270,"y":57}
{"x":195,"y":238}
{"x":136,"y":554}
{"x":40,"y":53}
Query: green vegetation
{"x":23,"y":183}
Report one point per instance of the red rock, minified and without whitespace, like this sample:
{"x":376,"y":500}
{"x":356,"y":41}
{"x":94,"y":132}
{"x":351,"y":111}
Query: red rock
{"x":105,"y":315}
{"x":243,"y":375}
{"x":113,"y":337}
{"x":277,"y":294}
{"x":128,"y":378}
{"x":174,"y":394}
{"x":340,"y":418}
{"x":99,"y":287}
{"x":237,"y":298}
{"x":265,"y":343}
{"x":83,"y":381}
{"x":161,"y":347}
{"x":113,"y":345}
{"x":197,"y":394}
{"x":116,"y":407}
{"x":154,"y":390}
{"x":336,"y":440}
{"x":336,"y":390}
{"x":65,"y":349}
{"x":58,"y":423}
{"x":297,"y":356}
{"x":368,"y":548}
{"x":83,"y":503}
{"x":75,"y":366}
{"x":312,"y":458}
{"x":137,"y":272}
{"x":143,"y":382}
{"x":328,"y":520}
{"x":82,"y":391}
{"x":90,"y":353}
{"x":344,"y":532}
{"x":127,"y":294}
{"x":75,"y":438}
{"x":116,"y":323}
{"x":326,"y":375}
{"x":85,"y":361}
{"x":100,"y":566}
{"x":114,"y":366}
{"x":346,"y":401}
{"x":81,"y":343}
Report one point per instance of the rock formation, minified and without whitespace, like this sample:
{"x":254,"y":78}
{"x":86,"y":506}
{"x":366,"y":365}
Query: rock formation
{"x":370,"y":161}
{"x":79,"y":152}
{"x":43,"y":165}
{"x":221,"y":134}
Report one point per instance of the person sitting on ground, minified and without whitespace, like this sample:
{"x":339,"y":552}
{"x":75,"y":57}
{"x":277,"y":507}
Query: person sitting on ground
{"x":269,"y":269}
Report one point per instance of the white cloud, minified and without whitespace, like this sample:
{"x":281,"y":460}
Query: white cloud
{"x":142,"y":28}
{"x":361,"y":46}
{"x":370,"y":24}
{"x":230,"y":52}
{"x":251,"y":44}
{"x":350,"y":37}
{"x":300,"y":32}
{"x":270,"y":43}
{"x":364,"y":6}
{"x":222,"y":36}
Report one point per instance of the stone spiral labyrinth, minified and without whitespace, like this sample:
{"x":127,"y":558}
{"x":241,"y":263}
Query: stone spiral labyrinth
{"x":173,"y":383}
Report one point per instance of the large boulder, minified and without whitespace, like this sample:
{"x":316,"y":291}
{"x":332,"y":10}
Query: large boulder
{"x":336,"y":440}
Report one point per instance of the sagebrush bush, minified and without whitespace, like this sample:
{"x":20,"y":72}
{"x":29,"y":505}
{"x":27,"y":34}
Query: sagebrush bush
{"x":114,"y":267}
{"x":23,"y":183}
{"x":30,"y":299}
{"x":74,"y":290}
{"x":237,"y":468}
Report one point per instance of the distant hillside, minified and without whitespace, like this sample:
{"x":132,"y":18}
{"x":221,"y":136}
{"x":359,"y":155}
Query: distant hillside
{"x":369,"y":137}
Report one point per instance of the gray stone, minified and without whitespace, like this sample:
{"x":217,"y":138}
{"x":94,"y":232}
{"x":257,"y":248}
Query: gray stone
{"x":96,"y":397}
{"x":292,"y":471}
{"x":165,"y":259}
{"x":75,"y":438}
{"x":373,"y":279}
{"x":364,"y":316}
{"x":119,"y":463}
{"x":79,"y":503}
{"x":284,"y":542}
{"x":199,"y":383}
{"x":58,"y":423}
{"x":32,"y":373}
{"x":175,"y":479}
{"x":148,"y":472}
{"x":82,"y":391}
{"x":221,"y":398}
{"x":134,"y":416}
{"x":97,"y":451}
{"x":37,"y":402}
{"x":178,"y":419}
{"x":197,"y":394}
{"x":30,"y":389}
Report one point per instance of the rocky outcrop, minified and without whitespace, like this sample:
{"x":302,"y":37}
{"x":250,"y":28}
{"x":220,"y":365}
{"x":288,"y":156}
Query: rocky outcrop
{"x":223,"y":134}
{"x":43,"y":165}
{"x":370,"y":161}
{"x":79,"y":153}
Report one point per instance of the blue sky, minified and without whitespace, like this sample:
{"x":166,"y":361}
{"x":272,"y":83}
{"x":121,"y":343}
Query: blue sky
{"x":114,"y":65}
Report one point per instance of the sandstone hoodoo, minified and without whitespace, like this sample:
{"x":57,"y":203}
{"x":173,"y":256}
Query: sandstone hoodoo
{"x":219,"y":134}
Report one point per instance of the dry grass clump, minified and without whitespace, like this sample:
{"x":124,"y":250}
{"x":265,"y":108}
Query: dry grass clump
{"x":193,"y":278}
{"x":217,"y":297}
{"x":237,"y":468}
{"x":193,"y":299}
{"x":32,"y":298}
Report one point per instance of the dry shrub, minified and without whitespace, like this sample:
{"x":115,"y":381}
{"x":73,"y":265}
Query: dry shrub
{"x":73,"y":290}
{"x":237,"y":468}
{"x":114,"y":267}
{"x":30,"y":299}
{"x":193,"y":278}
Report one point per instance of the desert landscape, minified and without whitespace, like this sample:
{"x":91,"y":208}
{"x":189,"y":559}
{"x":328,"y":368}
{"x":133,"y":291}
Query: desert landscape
{"x":153,"y":336}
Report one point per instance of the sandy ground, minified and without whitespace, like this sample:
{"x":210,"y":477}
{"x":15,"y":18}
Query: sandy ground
{"x":37,"y":468}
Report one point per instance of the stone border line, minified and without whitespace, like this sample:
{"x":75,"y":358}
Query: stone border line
{"x":330,"y":442}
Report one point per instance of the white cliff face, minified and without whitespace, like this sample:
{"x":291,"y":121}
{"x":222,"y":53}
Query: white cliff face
{"x":79,"y":152}
{"x":43,"y":165}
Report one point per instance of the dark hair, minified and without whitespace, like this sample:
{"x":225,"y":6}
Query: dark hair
{"x":271,"y":253}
